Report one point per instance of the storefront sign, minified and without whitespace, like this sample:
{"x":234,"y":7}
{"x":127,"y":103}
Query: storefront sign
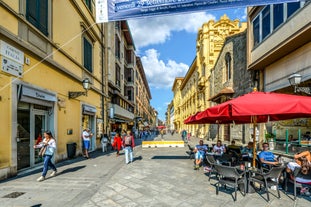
{"x":37,"y":94}
{"x":112,"y":10}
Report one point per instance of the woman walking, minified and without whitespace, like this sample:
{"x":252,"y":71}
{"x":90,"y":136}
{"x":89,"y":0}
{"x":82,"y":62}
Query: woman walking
{"x":50,"y":145}
{"x":117,"y":143}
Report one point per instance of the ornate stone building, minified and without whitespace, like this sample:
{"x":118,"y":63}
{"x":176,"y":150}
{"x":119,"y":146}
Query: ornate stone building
{"x":197,"y":88}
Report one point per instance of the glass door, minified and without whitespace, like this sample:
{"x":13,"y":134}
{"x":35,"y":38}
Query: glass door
{"x":38,"y":126}
{"x":23,"y":138}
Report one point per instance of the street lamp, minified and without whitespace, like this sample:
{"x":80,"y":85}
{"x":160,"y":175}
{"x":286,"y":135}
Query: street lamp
{"x":295,"y":80}
{"x":86,"y":83}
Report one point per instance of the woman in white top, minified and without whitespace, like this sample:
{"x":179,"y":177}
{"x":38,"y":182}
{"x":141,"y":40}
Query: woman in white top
{"x":50,"y":144}
{"x":219,"y":148}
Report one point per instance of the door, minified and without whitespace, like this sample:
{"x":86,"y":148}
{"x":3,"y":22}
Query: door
{"x":38,"y":128}
{"x":31,"y":125}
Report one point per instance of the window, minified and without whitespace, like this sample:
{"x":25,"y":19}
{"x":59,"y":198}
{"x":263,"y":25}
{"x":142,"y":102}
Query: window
{"x":88,"y":4}
{"x":87,"y":55}
{"x":270,"y":18}
{"x":118,"y":75}
{"x":256,"y":31}
{"x":266,"y":22}
{"x":292,"y":8}
{"x":228,"y":66}
{"x":278,"y":15}
{"x":117,"y":47}
{"x":37,"y":14}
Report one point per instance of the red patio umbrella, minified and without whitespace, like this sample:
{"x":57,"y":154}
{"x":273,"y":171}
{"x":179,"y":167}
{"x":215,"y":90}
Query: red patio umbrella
{"x":191,"y":119}
{"x":161,"y":127}
{"x":258,"y":107}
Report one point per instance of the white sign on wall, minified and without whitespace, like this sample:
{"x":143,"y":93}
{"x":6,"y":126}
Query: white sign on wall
{"x":11,"y":52}
{"x":11,"y":67}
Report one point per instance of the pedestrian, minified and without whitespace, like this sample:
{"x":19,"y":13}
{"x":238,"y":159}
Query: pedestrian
{"x":117,"y":143}
{"x":104,"y":142}
{"x":49,"y":146}
{"x":86,"y":136}
{"x":129,"y":145}
{"x":162,"y":134}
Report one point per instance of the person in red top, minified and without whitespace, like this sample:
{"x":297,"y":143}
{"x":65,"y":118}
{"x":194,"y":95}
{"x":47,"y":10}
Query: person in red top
{"x":117,"y":143}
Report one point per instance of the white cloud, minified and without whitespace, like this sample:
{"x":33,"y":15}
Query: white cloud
{"x":160,"y":74}
{"x":156,"y":30}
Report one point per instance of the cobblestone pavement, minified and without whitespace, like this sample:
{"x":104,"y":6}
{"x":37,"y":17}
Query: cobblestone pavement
{"x":157,"y":177}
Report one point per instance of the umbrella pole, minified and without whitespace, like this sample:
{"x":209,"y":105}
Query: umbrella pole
{"x":254,"y":141}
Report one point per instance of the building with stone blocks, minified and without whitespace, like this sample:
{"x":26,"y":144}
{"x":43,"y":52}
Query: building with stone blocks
{"x":230,"y":79}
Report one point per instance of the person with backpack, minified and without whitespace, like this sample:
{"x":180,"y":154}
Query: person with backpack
{"x":129,"y":145}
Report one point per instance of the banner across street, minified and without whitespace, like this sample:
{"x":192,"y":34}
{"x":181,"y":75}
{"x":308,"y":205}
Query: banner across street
{"x":113,"y":10}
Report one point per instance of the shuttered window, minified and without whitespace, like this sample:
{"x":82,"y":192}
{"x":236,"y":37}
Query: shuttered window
{"x":37,"y":14}
{"x":87,"y":55}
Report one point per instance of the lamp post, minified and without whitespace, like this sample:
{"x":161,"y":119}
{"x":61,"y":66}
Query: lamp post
{"x":86,"y":83}
{"x":295,"y":80}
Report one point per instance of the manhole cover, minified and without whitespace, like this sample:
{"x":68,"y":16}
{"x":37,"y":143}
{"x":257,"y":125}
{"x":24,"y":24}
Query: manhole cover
{"x":13,"y":195}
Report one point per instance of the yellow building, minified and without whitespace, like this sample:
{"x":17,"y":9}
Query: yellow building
{"x":177,"y":121}
{"x":196,"y":86}
{"x":47,"y":50}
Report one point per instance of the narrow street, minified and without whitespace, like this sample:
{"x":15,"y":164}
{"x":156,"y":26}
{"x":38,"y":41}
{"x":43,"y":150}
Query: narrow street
{"x":157,"y":177}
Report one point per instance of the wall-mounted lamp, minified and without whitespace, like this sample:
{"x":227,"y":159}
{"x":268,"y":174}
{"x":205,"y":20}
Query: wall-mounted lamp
{"x":295,"y":80}
{"x":86,"y":85}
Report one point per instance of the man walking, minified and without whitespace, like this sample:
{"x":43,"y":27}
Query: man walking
{"x":129,"y":145}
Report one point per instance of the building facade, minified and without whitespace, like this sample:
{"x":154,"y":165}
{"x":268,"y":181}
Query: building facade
{"x":42,"y":64}
{"x":279,"y":46}
{"x":197,"y":88}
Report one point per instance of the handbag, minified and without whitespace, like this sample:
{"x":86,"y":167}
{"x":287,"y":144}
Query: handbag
{"x":42,"y":151}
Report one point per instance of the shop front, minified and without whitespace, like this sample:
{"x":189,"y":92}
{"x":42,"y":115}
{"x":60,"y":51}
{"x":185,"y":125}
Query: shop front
{"x":35,"y":114}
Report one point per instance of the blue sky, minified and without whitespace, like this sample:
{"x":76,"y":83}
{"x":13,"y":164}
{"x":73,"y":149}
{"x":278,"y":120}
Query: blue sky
{"x":167,"y":47}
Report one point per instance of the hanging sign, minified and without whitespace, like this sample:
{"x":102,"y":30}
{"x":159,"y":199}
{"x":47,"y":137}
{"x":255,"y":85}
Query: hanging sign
{"x":113,"y":10}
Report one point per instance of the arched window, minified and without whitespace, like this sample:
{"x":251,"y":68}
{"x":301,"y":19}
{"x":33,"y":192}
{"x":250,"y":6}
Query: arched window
{"x":228,"y":66}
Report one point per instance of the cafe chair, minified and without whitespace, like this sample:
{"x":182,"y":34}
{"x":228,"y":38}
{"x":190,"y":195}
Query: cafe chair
{"x":211,"y":162}
{"x":190,"y":152}
{"x":292,"y":178}
{"x":230,"y":176}
{"x":266,"y":179}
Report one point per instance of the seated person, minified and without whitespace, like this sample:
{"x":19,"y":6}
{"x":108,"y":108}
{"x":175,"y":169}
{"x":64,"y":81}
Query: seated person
{"x":200,"y":153}
{"x":302,"y":161}
{"x":301,"y":169}
{"x":234,"y":147}
{"x":266,"y":157}
{"x":219,"y":148}
{"x":247,"y":151}
{"x":307,"y":136}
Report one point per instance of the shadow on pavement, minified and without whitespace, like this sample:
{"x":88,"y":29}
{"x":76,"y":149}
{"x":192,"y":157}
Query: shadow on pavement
{"x":170,"y":157}
{"x":73,"y":169}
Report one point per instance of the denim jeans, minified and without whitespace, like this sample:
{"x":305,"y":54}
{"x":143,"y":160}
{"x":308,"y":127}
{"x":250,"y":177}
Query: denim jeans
{"x":46,"y":164}
{"x":128,"y":152}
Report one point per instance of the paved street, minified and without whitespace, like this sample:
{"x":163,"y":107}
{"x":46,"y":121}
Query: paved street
{"x":157,"y":177}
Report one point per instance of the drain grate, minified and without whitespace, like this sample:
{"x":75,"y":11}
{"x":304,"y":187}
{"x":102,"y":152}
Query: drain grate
{"x":13,"y":195}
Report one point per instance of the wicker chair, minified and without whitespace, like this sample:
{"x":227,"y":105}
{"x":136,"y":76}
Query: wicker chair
{"x":230,"y":176}
{"x":267,"y":179}
{"x":211,"y":162}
